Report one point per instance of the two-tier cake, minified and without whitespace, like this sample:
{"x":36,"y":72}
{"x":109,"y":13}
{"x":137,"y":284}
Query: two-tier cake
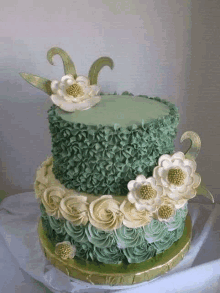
{"x":113,"y":195}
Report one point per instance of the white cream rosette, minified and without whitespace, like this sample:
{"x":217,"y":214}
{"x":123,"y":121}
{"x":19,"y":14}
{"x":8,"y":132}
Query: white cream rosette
{"x":74,"y":208}
{"x":42,"y":180}
{"x":51,"y":199}
{"x":144,"y":193}
{"x":132,"y":217}
{"x":74,"y":94}
{"x":177,"y":175}
{"x":166,"y":211}
{"x":65,"y":250}
{"x":105,"y":214}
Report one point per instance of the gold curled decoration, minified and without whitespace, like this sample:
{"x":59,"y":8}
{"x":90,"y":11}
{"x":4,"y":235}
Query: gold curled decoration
{"x":202,"y":190}
{"x":41,"y":83}
{"x":97,"y":66}
{"x":69,"y":67}
{"x":195,"y":146}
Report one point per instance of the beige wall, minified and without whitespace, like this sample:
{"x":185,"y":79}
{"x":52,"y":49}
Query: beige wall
{"x":160,"y":48}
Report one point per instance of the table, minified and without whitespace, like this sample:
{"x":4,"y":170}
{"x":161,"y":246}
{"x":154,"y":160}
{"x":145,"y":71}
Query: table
{"x":24,"y":268}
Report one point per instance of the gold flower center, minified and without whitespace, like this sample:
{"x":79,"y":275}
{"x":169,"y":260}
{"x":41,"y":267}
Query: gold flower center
{"x":176,"y":176}
{"x":75,"y":90}
{"x":147,"y":192}
{"x":165,"y":212}
{"x":63,"y":250}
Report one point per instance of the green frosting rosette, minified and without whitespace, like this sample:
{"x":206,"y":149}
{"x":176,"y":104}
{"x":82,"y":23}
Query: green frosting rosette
{"x":139,"y":253}
{"x":108,"y":255}
{"x":43,"y":211}
{"x":127,"y":237}
{"x":155,"y":231}
{"x":99,"y":237}
{"x":57,"y":225}
{"x":166,"y":241}
{"x":179,"y":231}
{"x":76,"y":232}
{"x":85,"y":250}
{"x":178,"y":220}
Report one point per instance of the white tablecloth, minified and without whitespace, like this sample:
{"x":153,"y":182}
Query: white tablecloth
{"x":23,"y":267}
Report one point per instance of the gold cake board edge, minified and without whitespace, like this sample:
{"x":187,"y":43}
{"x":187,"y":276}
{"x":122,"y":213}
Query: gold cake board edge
{"x":122,"y":274}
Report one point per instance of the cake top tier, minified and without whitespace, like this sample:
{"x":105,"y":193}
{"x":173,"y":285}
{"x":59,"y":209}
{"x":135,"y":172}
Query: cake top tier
{"x":124,"y":110}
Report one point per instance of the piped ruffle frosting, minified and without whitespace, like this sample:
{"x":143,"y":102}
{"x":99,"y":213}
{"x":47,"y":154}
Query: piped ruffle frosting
{"x":103,"y":159}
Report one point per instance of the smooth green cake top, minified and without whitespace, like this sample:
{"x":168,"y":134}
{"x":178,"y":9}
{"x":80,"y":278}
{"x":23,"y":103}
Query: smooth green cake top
{"x":124,"y":110}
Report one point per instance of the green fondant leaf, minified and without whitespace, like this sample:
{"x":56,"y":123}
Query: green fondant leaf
{"x":69,"y":67}
{"x":39,"y":82}
{"x":97,"y":66}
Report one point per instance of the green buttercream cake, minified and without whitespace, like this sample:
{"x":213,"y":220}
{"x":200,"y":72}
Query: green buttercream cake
{"x":100,"y":150}
{"x":113,"y":192}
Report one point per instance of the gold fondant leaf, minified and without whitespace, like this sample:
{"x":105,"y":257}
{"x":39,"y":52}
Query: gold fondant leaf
{"x":69,"y":67}
{"x":97,"y":66}
{"x":39,"y":82}
{"x":202,"y":190}
{"x":195,"y":146}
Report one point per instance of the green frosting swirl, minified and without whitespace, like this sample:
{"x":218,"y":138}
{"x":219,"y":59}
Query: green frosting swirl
{"x":178,"y":220}
{"x":127,"y":237}
{"x":78,"y":233}
{"x":103,"y":159}
{"x":108,"y":255}
{"x":57,"y":225}
{"x":43,"y":211}
{"x":85,"y":250}
{"x":165,"y":242}
{"x":139,"y":253}
{"x":99,"y":237}
{"x":155,"y":231}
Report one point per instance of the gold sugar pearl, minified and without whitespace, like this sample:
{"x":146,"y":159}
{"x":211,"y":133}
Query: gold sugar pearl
{"x":63,"y":250}
{"x":176,"y":176}
{"x":75,"y":90}
{"x":165,"y":212}
{"x":147,"y":192}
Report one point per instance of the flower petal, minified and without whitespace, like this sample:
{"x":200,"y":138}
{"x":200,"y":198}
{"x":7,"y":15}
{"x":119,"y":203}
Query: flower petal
{"x":131,"y":185}
{"x":57,"y":100}
{"x":178,"y":155}
{"x":190,"y":163}
{"x":82,"y":80}
{"x":140,"y":179}
{"x":162,"y":158}
{"x":166,"y":164}
{"x":66,"y":77}
{"x":94,"y":89}
{"x":55,"y":86}
{"x":197,"y":180}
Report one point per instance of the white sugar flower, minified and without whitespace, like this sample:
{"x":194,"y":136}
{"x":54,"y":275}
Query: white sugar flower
{"x":166,"y":211}
{"x":177,"y":176}
{"x":65,"y":250}
{"x":144,"y":193}
{"x":72,"y":94}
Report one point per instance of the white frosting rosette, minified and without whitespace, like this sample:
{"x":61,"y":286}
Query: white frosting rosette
{"x":51,"y":199}
{"x":74,"y":208}
{"x":74,"y":94}
{"x":144,"y":193}
{"x":132,"y":217}
{"x":166,"y":211}
{"x":177,"y":175}
{"x":105,"y":214}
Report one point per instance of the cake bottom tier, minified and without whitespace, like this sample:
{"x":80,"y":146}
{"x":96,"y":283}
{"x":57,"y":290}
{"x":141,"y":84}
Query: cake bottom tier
{"x":119,"y":274}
